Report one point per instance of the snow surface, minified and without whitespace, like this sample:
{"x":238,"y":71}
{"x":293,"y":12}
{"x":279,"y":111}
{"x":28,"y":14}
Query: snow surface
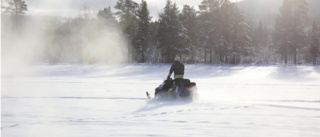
{"x":101,"y":101}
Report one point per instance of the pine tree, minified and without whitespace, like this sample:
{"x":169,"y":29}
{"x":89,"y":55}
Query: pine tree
{"x":261,"y":44}
{"x":203,"y":38}
{"x":15,"y":9}
{"x":142,"y":39}
{"x":226,"y":25}
{"x":172,"y":35}
{"x":128,"y":22}
{"x":188,"y":18}
{"x":106,"y":15}
{"x":300,"y":22}
{"x":164,"y":32}
{"x":315,"y":42}
{"x":282,"y":29}
{"x":181,"y":39}
{"x":86,"y":13}
{"x":289,"y":28}
{"x":154,"y":54}
{"x":210,"y":34}
{"x":240,"y":35}
{"x":223,"y":31}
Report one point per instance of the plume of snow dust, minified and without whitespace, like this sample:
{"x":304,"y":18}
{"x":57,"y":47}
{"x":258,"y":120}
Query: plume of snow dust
{"x":37,"y":42}
{"x":21,"y":46}
{"x":103,"y":45}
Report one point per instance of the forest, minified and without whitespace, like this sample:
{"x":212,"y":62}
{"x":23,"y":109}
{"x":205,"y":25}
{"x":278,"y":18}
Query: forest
{"x":215,"y":32}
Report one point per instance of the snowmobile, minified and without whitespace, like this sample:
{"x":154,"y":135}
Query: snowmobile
{"x":170,"y":90}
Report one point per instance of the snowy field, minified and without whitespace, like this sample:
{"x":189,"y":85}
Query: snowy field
{"x":109,"y":101}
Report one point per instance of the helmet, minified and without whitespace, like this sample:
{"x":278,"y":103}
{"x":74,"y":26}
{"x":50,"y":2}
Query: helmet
{"x":177,"y":58}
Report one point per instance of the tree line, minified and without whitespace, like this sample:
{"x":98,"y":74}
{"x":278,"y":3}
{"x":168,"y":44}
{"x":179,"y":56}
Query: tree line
{"x":218,"y":32}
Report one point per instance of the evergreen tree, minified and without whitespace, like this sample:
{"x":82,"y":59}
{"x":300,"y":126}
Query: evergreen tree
{"x":282,"y":31}
{"x":107,"y":16}
{"x":153,"y":52}
{"x":188,"y":18}
{"x":15,"y":9}
{"x":181,"y":39}
{"x":223,"y":31}
{"x":240,"y":35}
{"x":142,"y":39}
{"x":128,"y":22}
{"x":164,"y":32}
{"x":289,"y":28}
{"x":300,"y":22}
{"x":226,"y":25}
{"x":173,"y":37}
{"x":210,"y":34}
{"x":315,"y":42}
{"x":262,"y":49}
{"x":86,"y":13}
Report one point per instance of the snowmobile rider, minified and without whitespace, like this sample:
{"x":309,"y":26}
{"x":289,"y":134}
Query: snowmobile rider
{"x":178,"y":69}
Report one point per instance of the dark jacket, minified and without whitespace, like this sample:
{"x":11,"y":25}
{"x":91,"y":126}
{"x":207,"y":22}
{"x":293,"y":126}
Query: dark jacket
{"x":178,"y":69}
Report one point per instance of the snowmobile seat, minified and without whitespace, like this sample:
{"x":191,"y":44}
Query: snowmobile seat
{"x":185,"y":82}
{"x":167,"y":84}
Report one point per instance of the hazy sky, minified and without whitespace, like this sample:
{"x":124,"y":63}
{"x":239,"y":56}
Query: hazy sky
{"x":71,"y":8}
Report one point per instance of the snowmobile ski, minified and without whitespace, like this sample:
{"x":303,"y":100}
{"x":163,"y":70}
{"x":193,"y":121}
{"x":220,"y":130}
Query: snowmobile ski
{"x":148,"y":95}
